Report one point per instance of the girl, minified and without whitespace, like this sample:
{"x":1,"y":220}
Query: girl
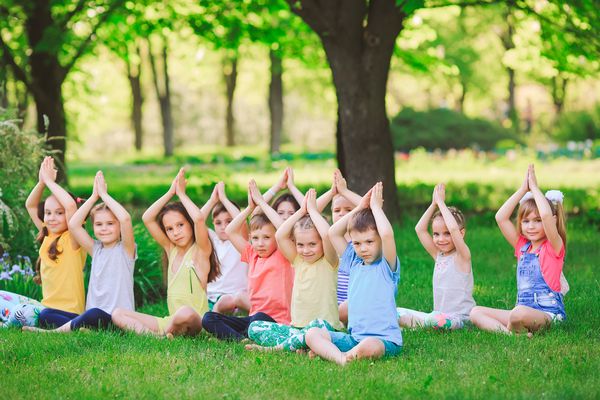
{"x":314,"y":292}
{"x":113,"y":258}
{"x":539,"y":240}
{"x":179,"y":228}
{"x":452,"y":274}
{"x":61,"y":262}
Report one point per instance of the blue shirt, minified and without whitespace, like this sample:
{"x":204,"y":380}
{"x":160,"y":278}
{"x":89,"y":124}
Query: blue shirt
{"x":371,"y":298}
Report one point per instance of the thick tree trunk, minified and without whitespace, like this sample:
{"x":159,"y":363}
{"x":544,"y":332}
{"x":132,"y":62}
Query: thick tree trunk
{"x":163,"y":93}
{"x":137,"y":98}
{"x":230,"y":76}
{"x":559,"y":92}
{"x":276,"y":102}
{"x":507,"y":41}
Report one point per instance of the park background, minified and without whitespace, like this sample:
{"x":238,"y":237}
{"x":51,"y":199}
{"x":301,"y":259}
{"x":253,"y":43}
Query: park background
{"x":234,"y":90}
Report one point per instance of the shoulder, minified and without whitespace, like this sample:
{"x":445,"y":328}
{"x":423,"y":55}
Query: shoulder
{"x":549,"y":250}
{"x":520,"y":243}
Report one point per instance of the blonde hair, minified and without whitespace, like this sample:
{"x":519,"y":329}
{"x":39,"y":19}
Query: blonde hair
{"x":100,"y":207}
{"x":456,"y":213}
{"x":529,"y":206}
{"x":305,"y":223}
{"x":258,"y":221}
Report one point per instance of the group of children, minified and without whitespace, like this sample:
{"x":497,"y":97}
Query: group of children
{"x":299,"y":280}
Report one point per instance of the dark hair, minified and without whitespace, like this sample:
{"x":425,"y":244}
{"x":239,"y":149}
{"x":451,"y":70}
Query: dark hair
{"x":286,"y":197}
{"x":362,"y":221}
{"x":456,"y":213}
{"x":53,"y":251}
{"x":220,"y":208}
{"x":258,"y":221}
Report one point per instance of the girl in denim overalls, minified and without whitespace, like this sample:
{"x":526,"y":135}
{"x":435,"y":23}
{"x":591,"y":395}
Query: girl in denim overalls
{"x":539,"y":240}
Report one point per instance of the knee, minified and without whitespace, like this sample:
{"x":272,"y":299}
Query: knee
{"x":314,"y":334}
{"x":210,"y":318}
{"x":371,"y":348}
{"x":261,"y":316}
{"x":343,"y":312}
{"x":517,"y":315}
{"x":186,"y":314}
{"x":117,"y":314}
{"x":475,"y":313}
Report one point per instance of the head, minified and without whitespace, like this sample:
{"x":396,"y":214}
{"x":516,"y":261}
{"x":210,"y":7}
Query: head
{"x":309,"y":244}
{"x":286,"y":205}
{"x":221,"y":218}
{"x":529,"y":222}
{"x":440,"y":232}
{"x":262,"y":235}
{"x":365,"y":238}
{"x":340,"y":206}
{"x":107,"y":228}
{"x":177,"y":224}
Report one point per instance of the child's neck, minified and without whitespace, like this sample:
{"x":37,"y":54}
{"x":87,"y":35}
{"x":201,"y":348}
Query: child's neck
{"x":535,"y":244}
{"x":184,"y":248}
{"x":109,"y":245}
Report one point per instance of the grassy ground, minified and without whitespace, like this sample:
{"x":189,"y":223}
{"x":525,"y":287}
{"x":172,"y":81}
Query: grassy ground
{"x":562,"y":363}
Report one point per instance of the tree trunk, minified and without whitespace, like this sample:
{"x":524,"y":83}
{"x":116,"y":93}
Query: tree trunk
{"x":134,"y":76}
{"x":163,"y":94}
{"x":3,"y":84}
{"x":460,"y":106}
{"x":559,"y":92}
{"x":276,"y":101}
{"x":508,"y":43}
{"x":230,"y":76}
{"x":359,"y":47}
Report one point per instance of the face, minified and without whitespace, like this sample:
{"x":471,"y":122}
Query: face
{"x":340,"y":207}
{"x":309,"y":245}
{"x":263,"y":240}
{"x":367,"y":245}
{"x":286,"y":210}
{"x":441,"y":236}
{"x":54,"y":216}
{"x":220,"y":221}
{"x":106,"y":227}
{"x":532,"y":227}
{"x":178,"y":229}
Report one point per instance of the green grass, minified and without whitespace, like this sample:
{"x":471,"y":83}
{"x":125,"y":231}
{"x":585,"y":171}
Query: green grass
{"x":562,"y":363}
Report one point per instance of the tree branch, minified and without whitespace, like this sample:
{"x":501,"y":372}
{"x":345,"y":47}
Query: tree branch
{"x":63,"y":24}
{"x":312,"y":14}
{"x":19,"y":72}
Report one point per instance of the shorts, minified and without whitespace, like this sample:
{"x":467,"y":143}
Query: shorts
{"x":345,"y":342}
{"x":163,"y":323}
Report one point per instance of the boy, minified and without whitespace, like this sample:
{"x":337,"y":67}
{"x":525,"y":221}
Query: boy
{"x":374,"y":270}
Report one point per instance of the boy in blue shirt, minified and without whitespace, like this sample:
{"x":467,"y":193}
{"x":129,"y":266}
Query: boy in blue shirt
{"x":371,"y":261}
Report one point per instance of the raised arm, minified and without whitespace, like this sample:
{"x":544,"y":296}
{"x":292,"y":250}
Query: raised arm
{"x":548,"y":218}
{"x":230,"y":207}
{"x":342,"y":188}
{"x":257,"y":198}
{"x":234,"y":229}
{"x":292,"y":186}
{"x":200,"y":229}
{"x":326,"y":197}
{"x":504,"y":213}
{"x":285,"y":243}
{"x":322,"y":227}
{"x":211,"y":203}
{"x":422,"y":228}
{"x":76,"y":222}
{"x":277,"y":187}
{"x":384,"y":228}
{"x":35,"y":197}
{"x":120,"y":212}
{"x":338,"y":230}
{"x":455,"y":232}
{"x":149,"y":217}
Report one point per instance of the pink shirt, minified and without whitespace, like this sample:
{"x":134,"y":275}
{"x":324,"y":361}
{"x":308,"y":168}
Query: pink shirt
{"x":270,"y":282}
{"x":550,"y":262}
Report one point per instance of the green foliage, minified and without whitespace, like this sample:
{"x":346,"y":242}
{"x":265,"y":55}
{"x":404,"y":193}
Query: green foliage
{"x":20,"y":155}
{"x":16,"y":276}
{"x":578,"y":126}
{"x":444,"y":129}
{"x":147,"y":277}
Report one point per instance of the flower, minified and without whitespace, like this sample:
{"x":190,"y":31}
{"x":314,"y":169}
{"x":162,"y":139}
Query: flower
{"x":16,"y":268}
{"x":5,"y":276}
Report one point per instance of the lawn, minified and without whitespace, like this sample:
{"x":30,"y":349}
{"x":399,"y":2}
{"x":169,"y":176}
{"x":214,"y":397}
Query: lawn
{"x":562,"y":363}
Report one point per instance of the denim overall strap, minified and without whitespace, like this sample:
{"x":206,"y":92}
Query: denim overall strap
{"x":533,"y":291}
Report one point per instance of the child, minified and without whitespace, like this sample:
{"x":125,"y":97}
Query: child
{"x":374,"y":270}
{"x":61,"y":259}
{"x":269,"y":275}
{"x":180,"y":229}
{"x":230,"y":291}
{"x":452,"y":274}
{"x":539,"y":240}
{"x":113,"y":259}
{"x":313,"y":296}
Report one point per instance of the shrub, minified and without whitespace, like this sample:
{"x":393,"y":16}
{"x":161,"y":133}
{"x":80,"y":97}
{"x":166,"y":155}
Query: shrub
{"x":445,"y":129}
{"x":16,"y":276}
{"x":147,"y":277}
{"x":578,"y":126}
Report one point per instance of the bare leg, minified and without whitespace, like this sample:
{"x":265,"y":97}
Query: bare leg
{"x":263,"y":348}
{"x":369,"y":348}
{"x":135,"y":321}
{"x":343,"y":311}
{"x":185,"y":321}
{"x":490,"y":319}
{"x":526,"y":319}
{"x":225,"y":304}
{"x":319,"y":342}
{"x":242,"y":301}
{"x":62,"y":329}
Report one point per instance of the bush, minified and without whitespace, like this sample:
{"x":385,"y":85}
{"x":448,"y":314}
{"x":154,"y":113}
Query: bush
{"x":16,"y":276}
{"x":578,"y":126}
{"x":147,"y":277}
{"x":445,"y":129}
{"x":20,"y":155}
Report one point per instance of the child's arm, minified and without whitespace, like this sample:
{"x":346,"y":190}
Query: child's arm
{"x":273,"y":190}
{"x":200,"y":230}
{"x":285,"y":244}
{"x":326,"y":197}
{"x":322,"y":227}
{"x":422,"y":228}
{"x":34,"y":198}
{"x":211,"y":203}
{"x":457,"y":238}
{"x":338,"y":230}
{"x":78,"y":219}
{"x":120,"y":212}
{"x":230,"y":207}
{"x":275,"y":219}
{"x":503,"y":215}
{"x":292,"y":186}
{"x":548,"y":219}
{"x":234,"y":229}
{"x":342,"y":188}
{"x":149,"y":217}
{"x":384,"y":228}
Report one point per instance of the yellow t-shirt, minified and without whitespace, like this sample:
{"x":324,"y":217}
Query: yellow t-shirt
{"x":62,"y":279}
{"x":314,"y":293}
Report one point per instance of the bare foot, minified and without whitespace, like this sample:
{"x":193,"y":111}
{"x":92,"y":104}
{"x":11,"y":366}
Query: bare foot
{"x":169,"y":336}
{"x":311,"y":354}
{"x":529,"y":335}
{"x":34,"y":329}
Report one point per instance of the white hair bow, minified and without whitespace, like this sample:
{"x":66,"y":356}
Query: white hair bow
{"x":555,"y":196}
